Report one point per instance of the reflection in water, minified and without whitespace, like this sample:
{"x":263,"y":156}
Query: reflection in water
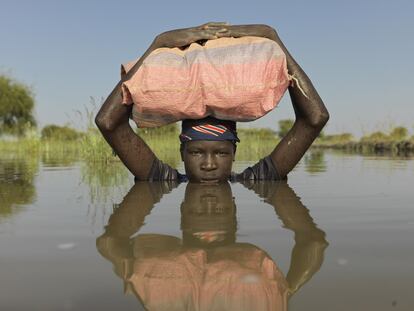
{"x":104,"y":179}
{"x":59,"y":160}
{"x":315,"y":161}
{"x":208,"y":269}
{"x":16,"y":184}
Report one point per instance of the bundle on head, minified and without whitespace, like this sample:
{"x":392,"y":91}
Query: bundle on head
{"x":238,"y":79}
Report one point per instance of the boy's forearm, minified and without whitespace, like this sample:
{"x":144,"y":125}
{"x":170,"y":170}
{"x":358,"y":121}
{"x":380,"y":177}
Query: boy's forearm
{"x":131,"y":150}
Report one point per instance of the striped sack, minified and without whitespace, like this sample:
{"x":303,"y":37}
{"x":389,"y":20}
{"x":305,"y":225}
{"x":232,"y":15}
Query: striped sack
{"x":238,"y":79}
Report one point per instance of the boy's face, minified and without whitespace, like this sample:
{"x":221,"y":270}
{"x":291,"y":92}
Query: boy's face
{"x":207,"y":161}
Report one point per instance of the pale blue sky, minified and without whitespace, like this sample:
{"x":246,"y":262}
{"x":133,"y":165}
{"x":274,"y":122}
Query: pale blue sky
{"x":359,"y":54}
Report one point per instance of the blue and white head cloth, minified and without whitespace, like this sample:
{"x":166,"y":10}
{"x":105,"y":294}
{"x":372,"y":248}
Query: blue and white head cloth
{"x":208,"y":128}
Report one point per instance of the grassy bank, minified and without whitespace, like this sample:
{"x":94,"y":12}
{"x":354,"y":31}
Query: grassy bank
{"x":91,"y":147}
{"x":395,"y":141}
{"x":404,"y":146}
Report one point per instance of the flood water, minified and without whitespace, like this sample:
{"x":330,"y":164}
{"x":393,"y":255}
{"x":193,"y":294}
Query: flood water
{"x":338,"y":235}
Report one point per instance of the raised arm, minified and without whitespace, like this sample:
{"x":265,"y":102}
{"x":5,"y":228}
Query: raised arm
{"x":113,"y":117}
{"x":311,"y":113}
{"x":113,"y":122}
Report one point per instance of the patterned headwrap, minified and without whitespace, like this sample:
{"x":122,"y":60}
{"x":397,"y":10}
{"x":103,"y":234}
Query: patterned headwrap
{"x":208,"y":129}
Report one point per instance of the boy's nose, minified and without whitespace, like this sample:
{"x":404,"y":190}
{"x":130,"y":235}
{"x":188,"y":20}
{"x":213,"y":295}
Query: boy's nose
{"x":209,"y":163}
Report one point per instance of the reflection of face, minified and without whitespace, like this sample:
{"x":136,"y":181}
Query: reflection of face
{"x":208,"y":162}
{"x":208,"y":199}
{"x":208,"y":214}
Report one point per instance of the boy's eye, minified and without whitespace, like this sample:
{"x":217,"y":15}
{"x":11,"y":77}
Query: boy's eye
{"x":222,"y":153}
{"x":195,"y":152}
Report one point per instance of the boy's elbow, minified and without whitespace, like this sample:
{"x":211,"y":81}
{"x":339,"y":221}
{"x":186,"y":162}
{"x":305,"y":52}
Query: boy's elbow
{"x":104,"y":124}
{"x":324,"y":118}
{"x":320,"y":119}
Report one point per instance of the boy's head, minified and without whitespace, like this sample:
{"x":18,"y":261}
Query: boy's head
{"x":208,"y":148}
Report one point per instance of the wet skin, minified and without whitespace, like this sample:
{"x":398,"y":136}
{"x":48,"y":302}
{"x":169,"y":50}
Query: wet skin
{"x":208,"y":162}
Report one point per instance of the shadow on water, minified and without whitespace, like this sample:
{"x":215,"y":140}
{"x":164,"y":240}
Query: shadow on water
{"x":208,"y":269}
{"x":17,"y":184}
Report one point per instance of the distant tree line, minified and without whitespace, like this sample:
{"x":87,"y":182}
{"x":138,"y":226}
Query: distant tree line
{"x":16,"y":107}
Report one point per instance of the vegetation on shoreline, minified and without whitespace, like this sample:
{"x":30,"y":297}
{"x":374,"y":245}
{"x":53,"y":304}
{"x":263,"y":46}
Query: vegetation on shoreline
{"x":396,"y":140}
{"x":90,"y":146}
{"x":66,"y":142}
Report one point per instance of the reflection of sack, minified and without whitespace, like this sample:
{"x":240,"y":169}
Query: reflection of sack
{"x":239,"y":276}
{"x":239,"y":79}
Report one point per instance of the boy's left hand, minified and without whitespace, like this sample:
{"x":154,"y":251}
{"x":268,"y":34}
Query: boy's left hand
{"x":238,"y":31}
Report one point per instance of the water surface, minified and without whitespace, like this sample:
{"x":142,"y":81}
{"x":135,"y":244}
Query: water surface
{"x":337,"y":236}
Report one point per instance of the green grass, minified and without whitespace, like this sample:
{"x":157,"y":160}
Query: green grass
{"x":92,"y":147}
{"x":255,"y":143}
{"x":336,"y":139}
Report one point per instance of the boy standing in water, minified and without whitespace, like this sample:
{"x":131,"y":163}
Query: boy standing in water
{"x":208,"y":145}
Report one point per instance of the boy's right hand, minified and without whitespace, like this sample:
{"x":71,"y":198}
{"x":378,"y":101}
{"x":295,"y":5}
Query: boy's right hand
{"x":186,"y":36}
